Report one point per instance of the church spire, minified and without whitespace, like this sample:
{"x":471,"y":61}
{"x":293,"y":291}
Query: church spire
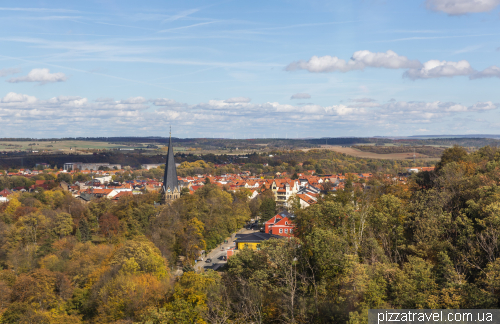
{"x":170,"y":178}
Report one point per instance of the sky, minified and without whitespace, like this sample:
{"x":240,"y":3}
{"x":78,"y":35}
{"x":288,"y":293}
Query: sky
{"x":249,"y":69}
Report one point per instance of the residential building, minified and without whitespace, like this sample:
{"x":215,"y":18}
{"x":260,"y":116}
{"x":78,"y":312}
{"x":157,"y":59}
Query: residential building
{"x":5,"y":193}
{"x":151,"y":166}
{"x":253,"y":240}
{"x":283,"y":189}
{"x":281,"y":225}
{"x":89,"y":166}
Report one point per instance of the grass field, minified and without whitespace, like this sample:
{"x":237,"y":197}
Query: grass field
{"x":76,"y":146}
{"x":370,"y":155}
{"x":55,"y":145}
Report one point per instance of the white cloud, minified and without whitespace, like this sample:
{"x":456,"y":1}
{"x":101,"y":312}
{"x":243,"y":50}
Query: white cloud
{"x":418,"y":111}
{"x":164,"y":102}
{"x":13,"y":97}
{"x":358,"y":61}
{"x":40,"y":75}
{"x":238,"y":100}
{"x":391,"y":60}
{"x":388,"y":60}
{"x":438,"y":69}
{"x":461,"y":7}
{"x":482,"y":106}
{"x":363,"y":100}
{"x":301,"y":96}
{"x":492,"y":71}
{"x":66,"y":101}
{"x":77,"y":116}
{"x":6,"y":72}
{"x":133,"y":100}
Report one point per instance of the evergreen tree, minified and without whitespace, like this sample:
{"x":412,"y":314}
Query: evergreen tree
{"x":84,"y":229}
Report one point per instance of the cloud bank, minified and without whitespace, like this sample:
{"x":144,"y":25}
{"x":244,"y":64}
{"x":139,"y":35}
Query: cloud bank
{"x":359,"y":61}
{"x":301,"y":96}
{"x":43,"y":76}
{"x":6,"y":72}
{"x":492,"y":71}
{"x":77,"y":116}
{"x":461,"y":7}
{"x":390,"y":60}
{"x":438,"y":69}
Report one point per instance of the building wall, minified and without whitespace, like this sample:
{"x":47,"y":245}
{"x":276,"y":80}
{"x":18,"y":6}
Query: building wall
{"x":304,"y":204}
{"x":89,"y":166}
{"x":242,"y":245}
{"x":150,"y":166}
{"x":276,"y":230}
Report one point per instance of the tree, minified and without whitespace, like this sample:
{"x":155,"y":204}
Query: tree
{"x":453,"y":154}
{"x":12,"y":206}
{"x":267,"y":209}
{"x":84,"y":230}
{"x":145,"y":254}
{"x":66,"y":177}
{"x":193,"y":239}
{"x":185,"y":191}
{"x":109,"y":225}
{"x":31,"y":227}
{"x":63,"y":224}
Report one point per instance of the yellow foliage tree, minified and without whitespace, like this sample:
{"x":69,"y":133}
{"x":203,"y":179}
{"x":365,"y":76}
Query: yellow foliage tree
{"x":13,"y":205}
{"x":145,"y":254}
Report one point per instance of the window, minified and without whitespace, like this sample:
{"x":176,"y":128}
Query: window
{"x":281,"y":230}
{"x":258,"y":247}
{"x":290,"y":231}
{"x":286,"y":230}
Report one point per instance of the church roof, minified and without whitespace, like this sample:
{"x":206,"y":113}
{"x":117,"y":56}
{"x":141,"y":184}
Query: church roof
{"x":170,"y":177}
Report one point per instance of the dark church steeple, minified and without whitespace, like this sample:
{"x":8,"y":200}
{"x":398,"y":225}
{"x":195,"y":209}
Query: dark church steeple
{"x":170,"y":188}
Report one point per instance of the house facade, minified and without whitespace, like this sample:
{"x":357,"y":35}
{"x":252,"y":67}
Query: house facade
{"x":280,"y":225}
{"x":283,"y":190}
{"x":253,"y":240}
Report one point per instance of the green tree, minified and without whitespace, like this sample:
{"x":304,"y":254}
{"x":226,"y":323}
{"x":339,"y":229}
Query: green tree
{"x":267,"y":209}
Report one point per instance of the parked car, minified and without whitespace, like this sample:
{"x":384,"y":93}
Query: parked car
{"x":209,"y":261}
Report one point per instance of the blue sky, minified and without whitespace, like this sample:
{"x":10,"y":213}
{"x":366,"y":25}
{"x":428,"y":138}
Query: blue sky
{"x":244,"y":69}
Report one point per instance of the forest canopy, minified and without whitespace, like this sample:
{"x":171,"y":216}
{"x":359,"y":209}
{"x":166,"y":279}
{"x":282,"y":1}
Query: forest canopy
{"x":428,"y":242}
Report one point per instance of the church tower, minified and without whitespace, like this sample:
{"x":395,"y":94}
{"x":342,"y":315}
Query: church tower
{"x":170,"y":189}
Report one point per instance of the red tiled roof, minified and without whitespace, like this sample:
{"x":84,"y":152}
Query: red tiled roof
{"x":123,"y":194}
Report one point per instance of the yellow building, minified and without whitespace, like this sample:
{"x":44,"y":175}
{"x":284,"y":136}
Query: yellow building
{"x":253,"y":240}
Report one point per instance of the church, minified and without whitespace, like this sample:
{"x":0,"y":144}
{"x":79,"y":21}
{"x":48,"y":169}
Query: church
{"x":170,"y":189}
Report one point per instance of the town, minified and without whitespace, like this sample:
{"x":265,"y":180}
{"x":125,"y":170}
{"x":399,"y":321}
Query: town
{"x":89,"y":182}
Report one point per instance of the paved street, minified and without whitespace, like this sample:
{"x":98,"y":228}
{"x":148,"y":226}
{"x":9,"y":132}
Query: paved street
{"x":217,"y":253}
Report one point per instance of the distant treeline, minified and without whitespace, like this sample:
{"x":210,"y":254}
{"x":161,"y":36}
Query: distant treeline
{"x":346,"y":140}
{"x":466,"y":142}
{"x":430,"y":151}
{"x":125,"y":159}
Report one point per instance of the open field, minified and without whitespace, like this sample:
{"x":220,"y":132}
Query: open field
{"x":55,"y":145}
{"x":369,"y":155}
{"x":70,"y":146}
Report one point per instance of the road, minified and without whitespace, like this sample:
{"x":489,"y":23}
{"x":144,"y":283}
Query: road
{"x":217,"y":253}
